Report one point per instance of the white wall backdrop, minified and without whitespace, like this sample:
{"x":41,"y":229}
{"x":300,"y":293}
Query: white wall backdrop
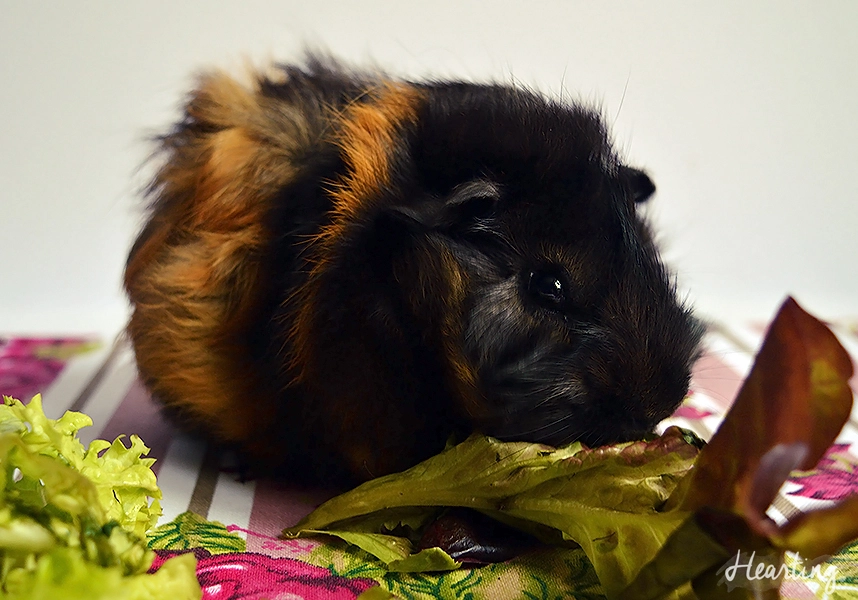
{"x":745,"y":113}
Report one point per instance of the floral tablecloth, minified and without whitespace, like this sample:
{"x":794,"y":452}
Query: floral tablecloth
{"x":232,"y":526}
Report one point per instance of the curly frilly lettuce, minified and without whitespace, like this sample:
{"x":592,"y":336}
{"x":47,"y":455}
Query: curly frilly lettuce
{"x":73,"y":520}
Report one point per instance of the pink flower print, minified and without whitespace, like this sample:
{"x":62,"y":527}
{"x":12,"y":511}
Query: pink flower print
{"x":687,"y":411}
{"x":290,"y":548}
{"x":834,"y":478}
{"x":251,"y":576}
{"x":22,"y":378}
{"x":29,"y":365}
{"x":691,"y":412}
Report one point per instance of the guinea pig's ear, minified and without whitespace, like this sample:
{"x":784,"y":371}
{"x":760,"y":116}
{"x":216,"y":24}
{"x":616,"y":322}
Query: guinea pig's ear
{"x":464,"y":205}
{"x":641,"y":186}
{"x":470,"y":202}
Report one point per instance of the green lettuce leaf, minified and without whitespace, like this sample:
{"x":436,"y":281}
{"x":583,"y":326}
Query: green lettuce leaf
{"x":64,"y":573}
{"x":605,"y":499}
{"x":126,"y":486}
{"x":74,"y":518}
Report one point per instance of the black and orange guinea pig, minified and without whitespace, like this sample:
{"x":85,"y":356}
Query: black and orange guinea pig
{"x":342,"y":271}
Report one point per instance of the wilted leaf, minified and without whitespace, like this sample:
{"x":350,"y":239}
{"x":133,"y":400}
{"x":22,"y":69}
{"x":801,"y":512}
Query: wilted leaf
{"x":789,"y":411}
{"x":821,"y":532}
{"x":796,"y":398}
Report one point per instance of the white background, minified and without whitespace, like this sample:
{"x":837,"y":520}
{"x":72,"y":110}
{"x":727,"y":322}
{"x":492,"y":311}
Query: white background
{"x":745,"y":113}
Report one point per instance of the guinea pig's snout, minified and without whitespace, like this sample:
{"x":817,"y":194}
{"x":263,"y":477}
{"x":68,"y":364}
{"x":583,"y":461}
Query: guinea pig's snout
{"x":629,"y":394}
{"x":607,"y":381}
{"x":614,"y":427}
{"x":586,"y":393}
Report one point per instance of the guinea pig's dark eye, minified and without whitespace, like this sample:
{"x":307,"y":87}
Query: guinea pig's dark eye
{"x":547,"y":288}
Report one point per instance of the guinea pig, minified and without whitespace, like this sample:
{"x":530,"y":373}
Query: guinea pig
{"x":342,"y":271}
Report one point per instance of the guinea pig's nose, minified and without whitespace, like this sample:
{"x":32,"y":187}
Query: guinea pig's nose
{"x":626,"y":429}
{"x":634,"y":435}
{"x":638,"y":428}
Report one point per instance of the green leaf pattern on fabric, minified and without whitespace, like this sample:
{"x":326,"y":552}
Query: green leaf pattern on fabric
{"x":189,"y":531}
{"x":549,"y":574}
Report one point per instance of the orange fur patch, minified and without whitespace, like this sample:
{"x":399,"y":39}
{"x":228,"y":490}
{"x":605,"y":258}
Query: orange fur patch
{"x":368,"y":133}
{"x":193,"y":278}
{"x":463,"y":379}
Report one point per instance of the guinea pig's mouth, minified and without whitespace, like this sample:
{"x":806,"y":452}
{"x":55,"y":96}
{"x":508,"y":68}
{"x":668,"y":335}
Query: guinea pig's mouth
{"x":558,"y":425}
{"x":547,"y":400}
{"x":631,"y":433}
{"x":532,"y":410}
{"x":563,"y":431}
{"x":558,"y":432}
